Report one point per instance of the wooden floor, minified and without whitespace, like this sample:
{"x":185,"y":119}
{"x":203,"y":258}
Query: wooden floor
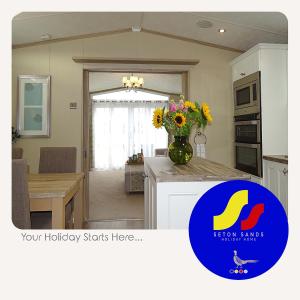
{"x":115,"y":224}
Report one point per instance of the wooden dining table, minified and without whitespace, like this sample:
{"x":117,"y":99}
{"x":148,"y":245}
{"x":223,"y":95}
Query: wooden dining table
{"x":52,"y":192}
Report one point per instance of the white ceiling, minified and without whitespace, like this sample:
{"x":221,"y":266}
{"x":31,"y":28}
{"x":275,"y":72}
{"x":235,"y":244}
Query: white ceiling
{"x":243,"y":29}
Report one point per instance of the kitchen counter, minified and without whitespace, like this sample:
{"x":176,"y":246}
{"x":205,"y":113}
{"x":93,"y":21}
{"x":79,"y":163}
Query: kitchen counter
{"x":198,"y":169}
{"x":277,"y":158}
{"x":172,"y":191}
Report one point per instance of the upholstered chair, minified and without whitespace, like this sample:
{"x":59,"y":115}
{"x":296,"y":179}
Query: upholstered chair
{"x":20,"y":196}
{"x":161,"y":152}
{"x":56,"y":160}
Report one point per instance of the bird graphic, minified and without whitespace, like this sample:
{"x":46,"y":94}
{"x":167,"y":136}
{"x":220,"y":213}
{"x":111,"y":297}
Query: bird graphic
{"x":240,"y":262}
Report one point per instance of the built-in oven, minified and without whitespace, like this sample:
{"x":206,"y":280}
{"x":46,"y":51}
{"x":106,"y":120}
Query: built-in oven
{"x":247,"y":94}
{"x":248,"y":158}
{"x":247,"y":131}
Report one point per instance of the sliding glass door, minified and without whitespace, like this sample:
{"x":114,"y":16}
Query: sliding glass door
{"x":122,"y":128}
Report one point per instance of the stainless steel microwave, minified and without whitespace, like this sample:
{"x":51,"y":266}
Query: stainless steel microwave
{"x":247,"y":95}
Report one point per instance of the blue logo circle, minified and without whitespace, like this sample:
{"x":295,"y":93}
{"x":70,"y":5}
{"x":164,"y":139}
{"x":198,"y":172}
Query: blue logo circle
{"x":238,"y":229}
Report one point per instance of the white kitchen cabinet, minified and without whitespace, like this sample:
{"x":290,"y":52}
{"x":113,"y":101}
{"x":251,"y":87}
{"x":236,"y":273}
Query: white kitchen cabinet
{"x":168,"y":205}
{"x":246,"y":66}
{"x":276,"y":180}
{"x":149,"y":202}
{"x":271,"y":61}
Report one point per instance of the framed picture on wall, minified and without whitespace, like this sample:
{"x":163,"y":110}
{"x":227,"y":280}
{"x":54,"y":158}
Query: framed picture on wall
{"x":34,"y":103}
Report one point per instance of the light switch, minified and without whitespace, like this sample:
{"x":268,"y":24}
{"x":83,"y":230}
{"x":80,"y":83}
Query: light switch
{"x":73,"y":105}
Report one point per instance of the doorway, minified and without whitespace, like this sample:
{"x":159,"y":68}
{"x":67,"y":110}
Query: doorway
{"x":119,"y":125}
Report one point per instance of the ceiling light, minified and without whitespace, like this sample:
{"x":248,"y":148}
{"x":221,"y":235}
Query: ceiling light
{"x":132,"y":82}
{"x":221,"y":30}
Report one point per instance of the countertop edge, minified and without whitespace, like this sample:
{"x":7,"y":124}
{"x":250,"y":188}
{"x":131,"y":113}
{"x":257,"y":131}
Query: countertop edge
{"x":276,"y":159}
{"x":162,"y":180}
{"x":187,"y":178}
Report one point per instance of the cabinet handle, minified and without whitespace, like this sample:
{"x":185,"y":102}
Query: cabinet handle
{"x":284,"y":171}
{"x":243,"y":74}
{"x":145,"y":176}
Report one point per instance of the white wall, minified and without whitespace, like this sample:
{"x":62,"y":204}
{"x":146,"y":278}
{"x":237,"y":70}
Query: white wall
{"x":171,"y":83}
{"x":210,"y":81}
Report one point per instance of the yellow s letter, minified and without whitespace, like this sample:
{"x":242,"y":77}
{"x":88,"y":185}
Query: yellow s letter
{"x":232,"y":211}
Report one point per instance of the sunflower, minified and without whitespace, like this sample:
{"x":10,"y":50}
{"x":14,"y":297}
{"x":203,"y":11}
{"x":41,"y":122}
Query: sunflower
{"x":191,"y":105}
{"x":179,"y":119}
{"x":157,"y":117}
{"x":206,"y":112}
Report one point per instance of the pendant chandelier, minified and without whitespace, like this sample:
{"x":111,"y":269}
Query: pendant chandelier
{"x":132,"y":82}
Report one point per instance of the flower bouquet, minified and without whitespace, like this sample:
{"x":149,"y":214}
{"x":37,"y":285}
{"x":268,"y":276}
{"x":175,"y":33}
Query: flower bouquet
{"x":178,"y":120}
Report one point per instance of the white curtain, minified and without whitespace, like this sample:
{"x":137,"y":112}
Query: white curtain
{"x":121,"y":129}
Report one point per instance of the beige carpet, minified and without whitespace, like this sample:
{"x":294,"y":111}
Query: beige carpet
{"x":108,"y":199}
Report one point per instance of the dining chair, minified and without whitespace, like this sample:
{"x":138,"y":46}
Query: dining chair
{"x":20,"y":196}
{"x":17,"y":153}
{"x":57,"y":160}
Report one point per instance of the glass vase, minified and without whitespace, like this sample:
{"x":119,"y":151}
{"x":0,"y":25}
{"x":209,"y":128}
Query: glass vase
{"x":181,"y":151}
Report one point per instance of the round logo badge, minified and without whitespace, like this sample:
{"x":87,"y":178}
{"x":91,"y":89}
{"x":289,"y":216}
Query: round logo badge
{"x":238,"y":230}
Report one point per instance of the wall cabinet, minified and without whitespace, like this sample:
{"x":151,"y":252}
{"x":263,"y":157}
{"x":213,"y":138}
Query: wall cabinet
{"x":246,"y":66}
{"x":276,"y":180}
